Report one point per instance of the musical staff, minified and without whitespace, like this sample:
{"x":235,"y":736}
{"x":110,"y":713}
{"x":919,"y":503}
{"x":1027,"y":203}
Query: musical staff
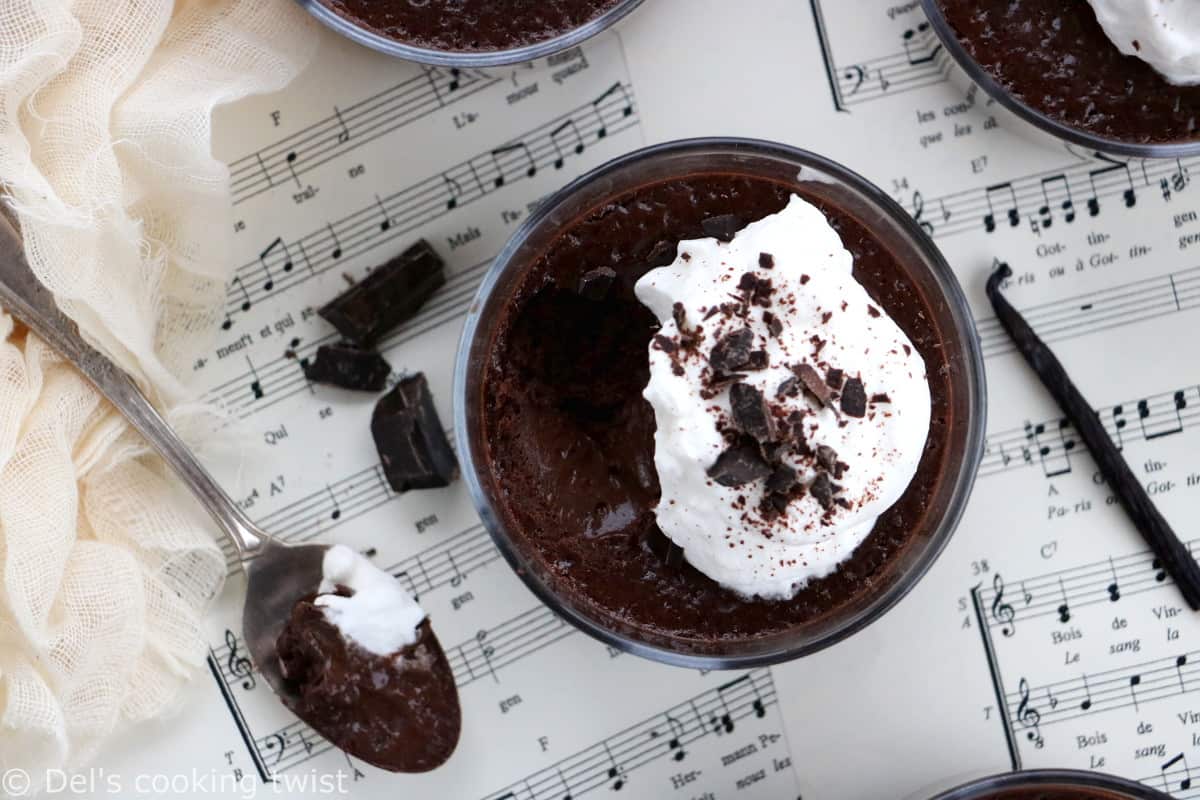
{"x":1099,"y":583}
{"x":919,"y":61}
{"x":1051,"y":444}
{"x":425,"y":201}
{"x":349,"y":127}
{"x":1098,"y":692}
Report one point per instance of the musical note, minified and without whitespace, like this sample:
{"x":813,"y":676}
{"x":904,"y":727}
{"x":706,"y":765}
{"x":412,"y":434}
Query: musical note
{"x":255,"y":385}
{"x":724,"y":723}
{"x":1014,"y":217}
{"x":1158,"y":427}
{"x":239,"y":665}
{"x":554,"y":134}
{"x":269,"y":284}
{"x":412,"y":584}
{"x":290,"y":160}
{"x":1028,"y":716}
{"x":566,"y":795}
{"x":1186,"y":782}
{"x":1064,"y":610}
{"x":615,"y":773}
{"x":519,"y":147}
{"x":1119,"y":425}
{"x":675,"y":744}
{"x":337,"y":245}
{"x":626,"y":111}
{"x":454,"y":189}
{"x":456,"y":577}
{"x":1129,"y":195}
{"x":909,"y":36}
{"x":1086,"y":703}
{"x":1134,"y":682}
{"x":487,"y":651}
{"x":336,"y":513}
{"x":1114,"y":589}
{"x":245,"y":295}
{"x":1180,"y":663}
{"x":454,"y":75}
{"x":343,"y":134}
{"x":1160,"y":574}
{"x":1068,"y":203}
{"x":385,"y":223}
{"x":1055,"y":458}
{"x":1002,"y":612}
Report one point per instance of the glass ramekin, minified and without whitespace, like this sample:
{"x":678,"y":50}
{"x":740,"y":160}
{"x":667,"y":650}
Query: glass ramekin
{"x":1068,"y":133}
{"x":1052,"y":779}
{"x":467,"y":59}
{"x":821,"y":177}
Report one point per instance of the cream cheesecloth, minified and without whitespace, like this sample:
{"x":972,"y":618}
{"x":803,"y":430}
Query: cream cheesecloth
{"x":106,"y":568}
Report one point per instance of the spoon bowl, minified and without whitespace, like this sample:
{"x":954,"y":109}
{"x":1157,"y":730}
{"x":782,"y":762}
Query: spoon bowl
{"x":279,"y":575}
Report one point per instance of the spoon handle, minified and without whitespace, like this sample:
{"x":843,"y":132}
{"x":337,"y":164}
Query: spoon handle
{"x":24,"y":297}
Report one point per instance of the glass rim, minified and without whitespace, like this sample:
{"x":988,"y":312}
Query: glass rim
{"x":974,"y":380}
{"x":1034,"y":779}
{"x":466,"y":58}
{"x":1068,"y":133}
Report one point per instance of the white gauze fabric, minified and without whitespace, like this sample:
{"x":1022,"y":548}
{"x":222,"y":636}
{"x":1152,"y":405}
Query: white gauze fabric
{"x":106,"y":567}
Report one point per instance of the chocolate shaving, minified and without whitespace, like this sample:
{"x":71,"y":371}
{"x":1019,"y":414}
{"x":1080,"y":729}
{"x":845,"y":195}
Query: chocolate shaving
{"x":410,"y":439}
{"x":789,"y":388}
{"x":1172,"y":553}
{"x":872,"y":310}
{"x":679,"y":314}
{"x":774,"y":324}
{"x":732,"y":351}
{"x":389,"y":296}
{"x":594,"y":284}
{"x":880,"y":397}
{"x":750,"y":412}
{"x":827,"y":458}
{"x":665,"y":344}
{"x":854,"y":398}
{"x":813,"y":383}
{"x":348,"y":367}
{"x":822,"y":490}
{"x":722,"y":227}
{"x":740,"y":464}
{"x":766,"y":261}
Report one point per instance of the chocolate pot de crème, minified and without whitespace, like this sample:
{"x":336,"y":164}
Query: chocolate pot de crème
{"x":570,"y":438}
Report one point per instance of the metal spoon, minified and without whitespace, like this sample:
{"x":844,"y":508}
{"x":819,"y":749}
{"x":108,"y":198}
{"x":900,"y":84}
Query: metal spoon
{"x":278,"y":575}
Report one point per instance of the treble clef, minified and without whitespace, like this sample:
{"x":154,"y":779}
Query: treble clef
{"x":1029,"y":716}
{"x":1002,"y":612}
{"x":239,"y":665}
{"x":919,"y":211}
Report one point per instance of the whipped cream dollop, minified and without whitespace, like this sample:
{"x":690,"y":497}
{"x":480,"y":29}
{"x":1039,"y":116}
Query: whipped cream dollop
{"x":380,"y":616}
{"x":1163,"y":33}
{"x":791,"y":411}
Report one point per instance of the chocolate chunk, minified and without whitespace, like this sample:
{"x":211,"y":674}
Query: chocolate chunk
{"x":789,"y":388}
{"x":594,"y":284}
{"x":880,"y":397}
{"x":664,"y":343}
{"x":750,"y":412}
{"x":854,"y":398}
{"x":740,"y":464}
{"x":782,"y":479}
{"x":679,"y":314}
{"x":722,"y":227}
{"x":409,"y":437}
{"x":774,"y":324}
{"x":813,"y":383}
{"x":348,"y":367}
{"x":834,"y":378}
{"x":757,"y":360}
{"x":822,"y":490}
{"x":872,"y":310}
{"x":766,"y":261}
{"x":662,"y":254}
{"x":827,"y":458}
{"x":732,"y":351}
{"x":389,"y":296}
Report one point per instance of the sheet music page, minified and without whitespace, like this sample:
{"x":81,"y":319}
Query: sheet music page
{"x":1046,"y":635}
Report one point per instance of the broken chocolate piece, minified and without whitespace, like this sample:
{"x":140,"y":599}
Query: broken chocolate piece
{"x":774,"y":324}
{"x":782,"y":479}
{"x":827,"y":458}
{"x":822,"y":490}
{"x":740,"y":464}
{"x":880,"y":397}
{"x":766,"y":261}
{"x":662,"y":254}
{"x":410,"y":439}
{"x":835,"y":377}
{"x":758,"y":359}
{"x":789,"y":388}
{"x":722,"y":227}
{"x":679,"y":314}
{"x":389,"y":296}
{"x":348,"y":367}
{"x":872,"y":310}
{"x":595,"y":283}
{"x":813,"y":383}
{"x":732,"y":351}
{"x":750,"y":412}
{"x":854,"y":398}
